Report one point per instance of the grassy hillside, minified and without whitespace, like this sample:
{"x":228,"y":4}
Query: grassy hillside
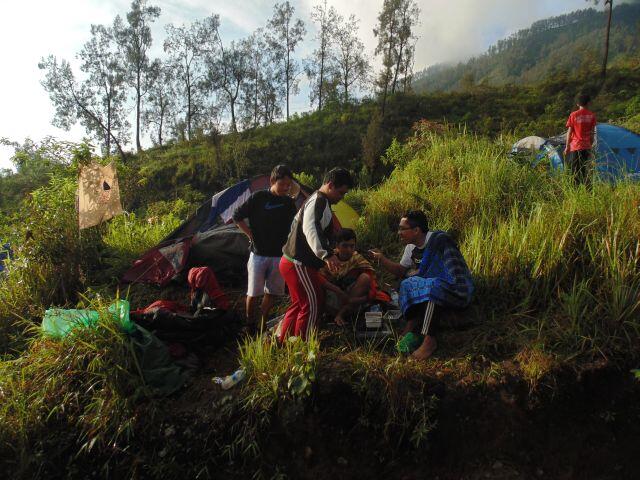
{"x":315,"y":142}
{"x":557,"y":295}
{"x":567,"y":43}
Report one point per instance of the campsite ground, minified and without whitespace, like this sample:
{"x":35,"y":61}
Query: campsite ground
{"x":486,"y":417}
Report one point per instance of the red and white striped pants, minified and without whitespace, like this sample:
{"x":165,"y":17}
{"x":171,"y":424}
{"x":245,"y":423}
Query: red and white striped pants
{"x":307,"y":299}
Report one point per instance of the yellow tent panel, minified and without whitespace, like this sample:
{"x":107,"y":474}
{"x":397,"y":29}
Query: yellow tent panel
{"x":347,"y":216}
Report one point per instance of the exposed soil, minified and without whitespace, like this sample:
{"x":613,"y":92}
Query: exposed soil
{"x":586,"y":427}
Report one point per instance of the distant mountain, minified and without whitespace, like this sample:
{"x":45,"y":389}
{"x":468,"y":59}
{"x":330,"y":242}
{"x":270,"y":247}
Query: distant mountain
{"x":559,"y":44}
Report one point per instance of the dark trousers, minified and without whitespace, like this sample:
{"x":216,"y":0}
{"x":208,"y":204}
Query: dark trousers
{"x":425,"y":317}
{"x":578,"y":163}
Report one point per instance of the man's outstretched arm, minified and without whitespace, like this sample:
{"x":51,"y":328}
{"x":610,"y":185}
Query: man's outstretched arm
{"x":390,"y":266}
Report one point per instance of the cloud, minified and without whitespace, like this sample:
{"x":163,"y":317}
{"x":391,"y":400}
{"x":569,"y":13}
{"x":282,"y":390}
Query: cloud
{"x":454,"y":31}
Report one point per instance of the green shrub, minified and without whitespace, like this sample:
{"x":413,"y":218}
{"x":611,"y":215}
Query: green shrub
{"x":307,"y":179}
{"x":53,"y":259}
{"x":76,"y":392}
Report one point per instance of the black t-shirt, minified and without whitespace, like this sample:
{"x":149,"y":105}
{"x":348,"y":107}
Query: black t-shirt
{"x":270,"y":218}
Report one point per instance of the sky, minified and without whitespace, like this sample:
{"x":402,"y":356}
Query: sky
{"x":449,"y":31}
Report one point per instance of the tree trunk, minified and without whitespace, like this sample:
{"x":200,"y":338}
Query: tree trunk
{"x":321,"y":80}
{"x":138,"y":146}
{"x":108,"y":139}
{"x":287,"y":81}
{"x":395,"y":75}
{"x":255,"y":101}
{"x":161,"y":123}
{"x":107,"y":130}
{"x":189,"y":111}
{"x":232,"y":104}
{"x":387,"y":75}
{"x":603,"y":73}
{"x":346,"y":85}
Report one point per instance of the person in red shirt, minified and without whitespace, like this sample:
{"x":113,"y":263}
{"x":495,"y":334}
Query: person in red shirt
{"x":580,"y":134}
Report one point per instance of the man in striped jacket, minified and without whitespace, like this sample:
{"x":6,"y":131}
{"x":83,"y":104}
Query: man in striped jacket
{"x":307,"y":250}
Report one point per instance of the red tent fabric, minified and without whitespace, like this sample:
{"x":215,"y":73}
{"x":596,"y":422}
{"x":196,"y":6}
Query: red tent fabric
{"x":159,"y":265}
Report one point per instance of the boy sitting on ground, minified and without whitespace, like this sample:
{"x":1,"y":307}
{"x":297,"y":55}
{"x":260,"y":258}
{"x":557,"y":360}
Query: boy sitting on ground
{"x":354,"y":275}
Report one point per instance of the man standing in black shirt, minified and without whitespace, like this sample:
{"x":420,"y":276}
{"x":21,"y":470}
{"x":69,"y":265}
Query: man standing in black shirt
{"x":269,"y":214}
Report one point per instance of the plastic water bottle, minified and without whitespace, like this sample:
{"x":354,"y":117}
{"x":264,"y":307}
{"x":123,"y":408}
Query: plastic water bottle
{"x":233,"y":379}
{"x":395,"y":298}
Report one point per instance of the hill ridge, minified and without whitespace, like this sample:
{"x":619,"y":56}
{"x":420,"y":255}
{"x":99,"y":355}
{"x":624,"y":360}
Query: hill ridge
{"x":569,"y":42}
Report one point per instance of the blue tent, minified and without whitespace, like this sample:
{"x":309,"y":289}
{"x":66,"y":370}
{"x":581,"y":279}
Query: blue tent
{"x":616,"y":152}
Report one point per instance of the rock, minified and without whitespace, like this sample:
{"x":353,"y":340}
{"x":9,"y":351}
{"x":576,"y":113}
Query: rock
{"x":539,"y":472}
{"x":342,"y":461}
{"x":497,"y":465}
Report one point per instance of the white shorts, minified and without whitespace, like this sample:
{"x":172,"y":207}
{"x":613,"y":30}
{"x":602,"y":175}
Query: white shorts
{"x":264,"y":276}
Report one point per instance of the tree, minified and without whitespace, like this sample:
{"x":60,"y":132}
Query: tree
{"x":262,"y":93}
{"x":97,"y":102}
{"x":228,"y":69}
{"x":603,"y":71}
{"x":134,"y":39}
{"x":102,"y":62}
{"x":409,"y":60}
{"x":284,"y":34}
{"x":386,"y":31}
{"x":352,"y":64}
{"x":254,"y":47}
{"x":160,"y":104}
{"x":395,"y":34}
{"x":270,"y":94}
{"x":318,"y":66}
{"x":187,"y":47}
{"x":408,"y":14}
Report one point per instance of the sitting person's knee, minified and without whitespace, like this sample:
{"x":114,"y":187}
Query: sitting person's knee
{"x":364,"y":279}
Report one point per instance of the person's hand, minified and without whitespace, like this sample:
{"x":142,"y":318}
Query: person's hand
{"x":332,"y":263}
{"x":377,"y":254}
{"x":566,"y":151}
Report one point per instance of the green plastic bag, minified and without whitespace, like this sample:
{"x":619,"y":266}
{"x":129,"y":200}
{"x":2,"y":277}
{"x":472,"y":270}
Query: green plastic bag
{"x":57,"y":322}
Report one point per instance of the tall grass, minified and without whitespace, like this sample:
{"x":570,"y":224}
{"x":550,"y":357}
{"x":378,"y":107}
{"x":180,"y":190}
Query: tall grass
{"x":52,"y":260}
{"x":562,"y":257}
{"x":83,"y":386}
{"x":128,"y":236}
{"x":277,"y":375}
